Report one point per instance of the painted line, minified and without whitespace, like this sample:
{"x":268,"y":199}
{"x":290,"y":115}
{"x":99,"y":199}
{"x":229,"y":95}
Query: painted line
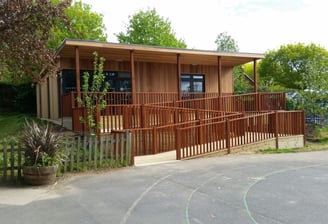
{"x":262,"y":178}
{"x":187,"y":216}
{"x":135,"y":203}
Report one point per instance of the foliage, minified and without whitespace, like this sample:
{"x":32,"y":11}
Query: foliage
{"x":320,"y":134}
{"x":17,"y":97}
{"x":24,"y":32}
{"x":11,"y":124}
{"x":84,"y":24}
{"x":241,"y":83}
{"x":226,"y":43}
{"x":294,"y":66}
{"x":147,"y":27}
{"x":314,"y":103}
{"x":312,"y":95}
{"x":41,"y":145}
{"x":94,"y":95}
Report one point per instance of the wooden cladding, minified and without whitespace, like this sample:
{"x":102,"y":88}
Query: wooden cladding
{"x":161,"y":77}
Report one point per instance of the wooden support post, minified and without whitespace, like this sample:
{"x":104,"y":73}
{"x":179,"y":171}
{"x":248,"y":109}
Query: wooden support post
{"x":219,"y":75}
{"x":178,"y":76}
{"x":255,"y":75}
{"x":77,"y":73}
{"x":133,"y":78}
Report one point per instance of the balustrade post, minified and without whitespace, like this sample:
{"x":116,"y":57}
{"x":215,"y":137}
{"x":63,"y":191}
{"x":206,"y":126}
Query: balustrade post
{"x":276,"y":132}
{"x":178,"y":142}
{"x":303,"y":124}
{"x":228,"y":136}
{"x":155,"y":147}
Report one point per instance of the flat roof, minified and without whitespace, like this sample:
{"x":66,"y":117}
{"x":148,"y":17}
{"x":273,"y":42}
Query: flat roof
{"x":155,"y":54}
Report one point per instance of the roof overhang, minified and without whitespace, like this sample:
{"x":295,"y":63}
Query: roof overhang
{"x":142,"y":53}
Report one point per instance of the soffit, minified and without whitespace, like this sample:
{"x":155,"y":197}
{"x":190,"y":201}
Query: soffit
{"x":121,"y":52}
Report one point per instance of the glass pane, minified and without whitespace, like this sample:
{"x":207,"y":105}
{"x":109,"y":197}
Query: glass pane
{"x":198,"y":77}
{"x":124,"y":85}
{"x":198,"y":86}
{"x":185,"y":86}
{"x":185,"y":76}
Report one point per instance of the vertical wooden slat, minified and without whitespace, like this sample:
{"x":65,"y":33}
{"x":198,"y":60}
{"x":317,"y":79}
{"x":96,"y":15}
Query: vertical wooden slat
{"x":12,"y":160}
{"x":276,"y":128}
{"x":122,"y":147}
{"x":127,"y":147}
{"x":154,"y":140}
{"x":228,"y":136}
{"x":178,"y":144}
{"x":19,"y":165}
{"x":5,"y":165}
{"x":101,"y":148}
{"x":71,"y":166}
{"x":111,"y":148}
{"x":78,"y":145}
{"x":116,"y":143}
{"x":106,"y":146}
{"x":95,"y":150}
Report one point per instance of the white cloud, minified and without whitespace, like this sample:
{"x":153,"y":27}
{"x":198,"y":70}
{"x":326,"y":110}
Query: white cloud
{"x":257,"y":25}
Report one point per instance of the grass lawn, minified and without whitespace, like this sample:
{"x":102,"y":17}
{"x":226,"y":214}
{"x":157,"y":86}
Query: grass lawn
{"x":11,"y":123}
{"x":310,"y":146}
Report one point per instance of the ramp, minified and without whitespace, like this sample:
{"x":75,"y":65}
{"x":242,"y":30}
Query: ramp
{"x":159,"y":158}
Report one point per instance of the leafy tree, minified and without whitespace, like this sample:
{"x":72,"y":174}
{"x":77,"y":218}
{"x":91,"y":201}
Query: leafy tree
{"x":312,"y":96}
{"x":242,"y":80}
{"x":84,"y":24}
{"x":226,"y":43}
{"x":147,"y":27}
{"x":94,"y":83}
{"x":289,"y":65}
{"x":24,"y":32}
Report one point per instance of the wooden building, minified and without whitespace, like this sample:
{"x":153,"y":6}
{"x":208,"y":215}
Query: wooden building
{"x":170,"y":100}
{"x":140,"y":69}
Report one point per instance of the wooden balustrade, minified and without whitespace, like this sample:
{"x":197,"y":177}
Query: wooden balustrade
{"x":196,"y":125}
{"x":224,"y":135}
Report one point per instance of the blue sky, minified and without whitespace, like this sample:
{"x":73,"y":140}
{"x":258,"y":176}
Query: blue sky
{"x":256,"y":25}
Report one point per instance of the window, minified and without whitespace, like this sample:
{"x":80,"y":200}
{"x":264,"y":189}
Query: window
{"x":118,"y":81}
{"x":192,"y":83}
